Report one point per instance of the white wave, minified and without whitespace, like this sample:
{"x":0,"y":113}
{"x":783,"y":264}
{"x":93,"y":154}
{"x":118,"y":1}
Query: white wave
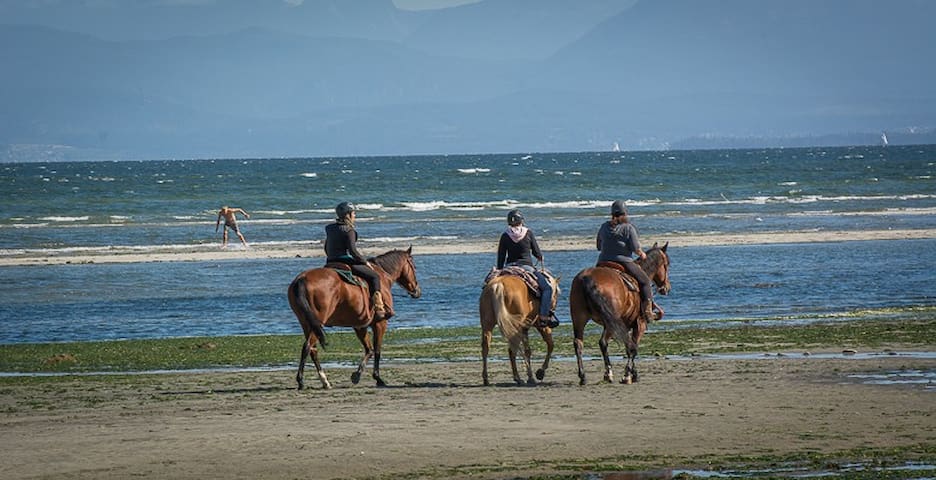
{"x":83,"y":218}
{"x":474,"y":170}
{"x":309,"y":175}
{"x":788,"y":184}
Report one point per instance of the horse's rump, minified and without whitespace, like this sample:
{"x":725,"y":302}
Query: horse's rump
{"x":509,"y":300}
{"x":605,"y":293}
{"x":528,"y":277}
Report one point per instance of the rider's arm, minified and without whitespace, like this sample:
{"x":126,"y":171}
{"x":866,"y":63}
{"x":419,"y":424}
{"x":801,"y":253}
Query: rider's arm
{"x":352,"y":247}
{"x":501,"y":252}
{"x":534,"y":247}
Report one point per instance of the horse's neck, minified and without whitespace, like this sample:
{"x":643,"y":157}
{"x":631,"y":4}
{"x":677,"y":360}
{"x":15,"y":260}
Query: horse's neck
{"x":391,"y":269}
{"x":651,"y":263}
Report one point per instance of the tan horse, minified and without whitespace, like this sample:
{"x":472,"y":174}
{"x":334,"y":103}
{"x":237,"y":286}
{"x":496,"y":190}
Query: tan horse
{"x":320,"y":298}
{"x":506,"y":302}
{"x":600,"y":294}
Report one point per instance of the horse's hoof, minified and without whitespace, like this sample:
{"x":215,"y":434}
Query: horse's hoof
{"x":608,"y":379}
{"x":531,"y":382}
{"x":300,"y":387}
{"x":355,"y":377}
{"x":540,"y":374}
{"x":487,"y":383}
{"x":380,"y":383}
{"x":626,"y":381}
{"x":582,"y":380}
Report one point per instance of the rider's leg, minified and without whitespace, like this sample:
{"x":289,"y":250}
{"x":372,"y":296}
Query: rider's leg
{"x":646,"y":290}
{"x":546,"y":295}
{"x":373,"y":282}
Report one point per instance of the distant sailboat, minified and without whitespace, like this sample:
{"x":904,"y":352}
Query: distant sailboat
{"x":883,"y":139}
{"x":616,"y":147}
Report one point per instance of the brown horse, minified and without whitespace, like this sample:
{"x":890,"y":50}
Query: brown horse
{"x":600,"y":294}
{"x":319,"y":298}
{"x":507,"y":302}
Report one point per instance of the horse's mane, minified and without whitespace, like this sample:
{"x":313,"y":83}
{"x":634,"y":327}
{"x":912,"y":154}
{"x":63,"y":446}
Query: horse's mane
{"x":390,"y":259}
{"x":655,"y":255}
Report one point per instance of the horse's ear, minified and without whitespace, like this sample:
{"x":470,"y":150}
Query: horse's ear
{"x":409,"y":251}
{"x":655,"y":245}
{"x":664,"y":246}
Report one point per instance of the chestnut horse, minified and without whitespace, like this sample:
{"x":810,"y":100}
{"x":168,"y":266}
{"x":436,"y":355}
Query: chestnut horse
{"x":600,"y":294}
{"x":320,"y":298}
{"x":507,"y":302}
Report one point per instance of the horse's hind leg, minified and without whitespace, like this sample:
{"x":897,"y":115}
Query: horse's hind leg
{"x":486,"y":336}
{"x":528,"y":357}
{"x":513,"y":365}
{"x":313,"y":352}
{"x":547,"y":337}
{"x":603,"y":345}
{"x":634,"y":336}
{"x":302,"y":361}
{"x":368,"y":351}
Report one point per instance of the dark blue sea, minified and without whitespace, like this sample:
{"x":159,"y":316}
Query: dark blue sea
{"x":160,"y":206}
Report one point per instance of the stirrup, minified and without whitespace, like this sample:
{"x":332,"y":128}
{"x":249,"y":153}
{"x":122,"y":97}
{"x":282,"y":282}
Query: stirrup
{"x":549,"y":321}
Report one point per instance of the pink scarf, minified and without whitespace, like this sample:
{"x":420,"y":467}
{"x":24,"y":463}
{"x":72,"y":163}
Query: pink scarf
{"x":517,"y":233}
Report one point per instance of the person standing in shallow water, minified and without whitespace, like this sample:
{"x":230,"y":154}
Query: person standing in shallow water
{"x":340,"y":247}
{"x":518,"y":247}
{"x":230,"y":221}
{"x":618,"y":242}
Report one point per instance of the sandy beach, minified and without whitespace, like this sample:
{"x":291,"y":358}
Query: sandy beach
{"x":437,"y":421}
{"x":214,"y":252}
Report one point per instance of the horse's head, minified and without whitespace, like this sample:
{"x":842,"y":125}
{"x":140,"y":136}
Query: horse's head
{"x":657,"y":267}
{"x":401,"y":268}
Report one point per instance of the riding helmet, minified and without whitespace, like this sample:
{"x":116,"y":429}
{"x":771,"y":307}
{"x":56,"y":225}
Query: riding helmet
{"x":344,"y":209}
{"x":618,"y":208}
{"x":514,"y":218}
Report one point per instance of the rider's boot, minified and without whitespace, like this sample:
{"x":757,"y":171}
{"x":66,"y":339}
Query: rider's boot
{"x":646,"y":309}
{"x":380,"y":311}
{"x":548,"y":320}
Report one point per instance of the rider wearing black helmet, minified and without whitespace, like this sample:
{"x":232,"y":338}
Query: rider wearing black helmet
{"x":518,"y":247}
{"x":618,"y":241}
{"x":340,"y":240}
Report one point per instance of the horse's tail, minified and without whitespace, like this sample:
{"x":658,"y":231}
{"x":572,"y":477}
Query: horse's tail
{"x":599,"y":302}
{"x":301,"y":298}
{"x":508,"y":323}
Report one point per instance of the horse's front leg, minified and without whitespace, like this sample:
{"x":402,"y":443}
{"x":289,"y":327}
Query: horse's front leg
{"x":603,"y":345}
{"x":546,"y":333}
{"x":368,"y":351}
{"x":528,"y":357}
{"x":379,"y":328}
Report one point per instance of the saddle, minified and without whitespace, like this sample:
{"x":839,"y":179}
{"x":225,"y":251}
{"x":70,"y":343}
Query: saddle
{"x":345,"y":273}
{"x":629,"y":281}
{"x":528,"y":278}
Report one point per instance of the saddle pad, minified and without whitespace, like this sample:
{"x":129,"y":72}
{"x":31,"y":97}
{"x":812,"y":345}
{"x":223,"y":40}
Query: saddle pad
{"x":628,"y":280}
{"x":528,"y":278}
{"x":344,"y":272}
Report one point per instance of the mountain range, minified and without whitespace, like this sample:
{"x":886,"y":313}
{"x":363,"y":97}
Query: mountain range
{"x":244,"y":78}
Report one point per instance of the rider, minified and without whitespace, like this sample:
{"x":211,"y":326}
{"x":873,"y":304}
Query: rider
{"x":517,"y":247}
{"x":340,"y":239}
{"x":617,"y":241}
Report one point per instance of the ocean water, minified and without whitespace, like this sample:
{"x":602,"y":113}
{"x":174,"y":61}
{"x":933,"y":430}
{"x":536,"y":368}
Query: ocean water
{"x":154,"y":206}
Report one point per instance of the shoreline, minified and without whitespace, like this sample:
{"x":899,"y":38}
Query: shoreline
{"x":215,"y":253}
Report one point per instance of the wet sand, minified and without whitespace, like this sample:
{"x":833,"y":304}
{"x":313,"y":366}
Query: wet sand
{"x":436,"y":421}
{"x":214,"y":252}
